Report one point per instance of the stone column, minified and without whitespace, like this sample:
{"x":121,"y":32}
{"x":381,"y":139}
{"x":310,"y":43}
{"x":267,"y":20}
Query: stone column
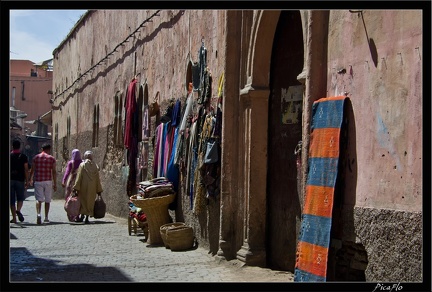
{"x":230,"y":169}
{"x":254,"y":105}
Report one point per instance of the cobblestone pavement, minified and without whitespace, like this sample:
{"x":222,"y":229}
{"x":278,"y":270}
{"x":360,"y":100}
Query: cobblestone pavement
{"x":63,"y":251}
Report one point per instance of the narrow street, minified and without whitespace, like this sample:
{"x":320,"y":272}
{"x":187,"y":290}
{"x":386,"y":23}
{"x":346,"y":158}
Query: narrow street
{"x":103,"y":251}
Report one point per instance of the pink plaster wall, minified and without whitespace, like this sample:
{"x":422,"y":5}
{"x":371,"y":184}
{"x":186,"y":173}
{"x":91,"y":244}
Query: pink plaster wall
{"x":160,"y":52}
{"x":36,"y":99}
{"x":386,"y":101}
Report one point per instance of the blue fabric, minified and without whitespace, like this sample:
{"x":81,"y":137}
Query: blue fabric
{"x":303,"y":276}
{"x":327,"y":114}
{"x":172,"y":173}
{"x":322,"y":171}
{"x":161,"y":162}
{"x":175,"y":118}
{"x":315,"y":230}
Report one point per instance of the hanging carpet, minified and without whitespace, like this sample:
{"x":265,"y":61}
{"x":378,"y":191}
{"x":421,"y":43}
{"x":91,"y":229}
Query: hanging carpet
{"x":314,"y":238}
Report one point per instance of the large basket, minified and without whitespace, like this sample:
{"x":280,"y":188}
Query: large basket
{"x":156,"y":210}
{"x":165,"y":227}
{"x":180,"y":238}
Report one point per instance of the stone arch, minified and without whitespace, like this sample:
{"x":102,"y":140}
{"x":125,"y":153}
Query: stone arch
{"x":253,"y":109}
{"x":260,"y":48}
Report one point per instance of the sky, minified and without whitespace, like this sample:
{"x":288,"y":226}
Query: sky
{"x":34,"y":34}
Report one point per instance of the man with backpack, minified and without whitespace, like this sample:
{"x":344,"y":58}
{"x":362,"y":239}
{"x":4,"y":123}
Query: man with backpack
{"x":19,"y":179}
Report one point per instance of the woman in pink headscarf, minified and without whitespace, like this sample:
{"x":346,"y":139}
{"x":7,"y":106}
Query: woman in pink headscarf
{"x":71,"y":172}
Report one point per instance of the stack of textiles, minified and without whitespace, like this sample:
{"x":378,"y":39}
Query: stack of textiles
{"x":136,"y":212}
{"x":157,"y":187}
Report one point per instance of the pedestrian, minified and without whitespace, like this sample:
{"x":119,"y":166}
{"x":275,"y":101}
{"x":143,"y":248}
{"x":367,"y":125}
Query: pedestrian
{"x":19,"y":179}
{"x":43,"y":176}
{"x":71,"y":171}
{"x":87,"y":185}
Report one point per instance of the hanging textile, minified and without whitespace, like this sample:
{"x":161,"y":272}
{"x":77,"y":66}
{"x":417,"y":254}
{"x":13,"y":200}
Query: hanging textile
{"x":130,"y":136}
{"x":176,"y":114}
{"x":168,"y":146}
{"x":142,"y":160}
{"x":196,"y":79}
{"x":205,"y":93}
{"x":172,"y":172}
{"x":218,"y":125}
{"x":157,"y":150}
{"x":199,"y":184}
{"x":314,"y":238}
{"x":202,"y":56}
{"x":161,"y":168}
{"x":145,"y":124}
{"x":191,"y":162}
{"x":130,"y":110}
{"x":182,"y":127}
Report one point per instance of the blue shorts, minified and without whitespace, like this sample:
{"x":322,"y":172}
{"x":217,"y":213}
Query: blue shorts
{"x":17,"y":191}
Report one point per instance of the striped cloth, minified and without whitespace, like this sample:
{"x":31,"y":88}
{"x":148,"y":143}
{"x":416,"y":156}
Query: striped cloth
{"x":314,"y":239}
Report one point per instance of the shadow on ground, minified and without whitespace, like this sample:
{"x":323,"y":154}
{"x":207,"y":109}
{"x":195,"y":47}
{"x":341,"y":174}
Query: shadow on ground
{"x":25,"y":267}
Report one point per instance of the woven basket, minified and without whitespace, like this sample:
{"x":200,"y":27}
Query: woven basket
{"x":165,"y":227}
{"x":180,"y":238}
{"x":156,"y":210}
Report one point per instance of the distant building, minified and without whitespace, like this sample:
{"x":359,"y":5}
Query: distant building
{"x":30,"y":85}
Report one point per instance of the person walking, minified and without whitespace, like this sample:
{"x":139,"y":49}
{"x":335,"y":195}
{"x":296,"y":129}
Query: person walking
{"x":19,"y":179}
{"x":87,"y":185}
{"x":71,"y":171}
{"x":43,"y":176}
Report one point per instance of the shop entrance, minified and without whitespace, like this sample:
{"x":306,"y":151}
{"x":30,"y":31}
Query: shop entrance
{"x":284,"y":133}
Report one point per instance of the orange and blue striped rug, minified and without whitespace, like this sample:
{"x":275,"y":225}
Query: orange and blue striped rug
{"x":314,"y":238}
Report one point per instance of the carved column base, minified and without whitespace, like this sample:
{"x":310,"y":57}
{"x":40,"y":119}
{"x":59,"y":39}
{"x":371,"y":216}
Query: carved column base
{"x":224,"y":250}
{"x":252,"y":257}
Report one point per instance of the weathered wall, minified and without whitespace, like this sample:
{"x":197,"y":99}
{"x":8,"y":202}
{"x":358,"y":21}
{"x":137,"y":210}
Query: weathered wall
{"x":160,"y":52}
{"x":386,"y":100}
{"x":375,"y":58}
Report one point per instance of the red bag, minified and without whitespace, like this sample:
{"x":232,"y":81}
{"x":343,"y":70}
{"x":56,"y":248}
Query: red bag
{"x":72,"y":206}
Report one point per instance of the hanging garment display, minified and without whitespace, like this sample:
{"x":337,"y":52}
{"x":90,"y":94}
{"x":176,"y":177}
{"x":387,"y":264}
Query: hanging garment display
{"x":130,"y":135}
{"x":205,"y":93}
{"x":145,"y":124}
{"x":181,"y":135}
{"x":202,"y":57}
{"x":172,"y":172}
{"x":199,"y":186}
{"x":157,"y":150}
{"x":212,"y":152}
{"x":130,"y":110}
{"x":191,"y":162}
{"x":196,"y":76}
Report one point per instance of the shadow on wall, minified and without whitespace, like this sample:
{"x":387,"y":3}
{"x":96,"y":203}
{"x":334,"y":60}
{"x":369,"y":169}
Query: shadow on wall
{"x":103,"y":73}
{"x":347,"y":260}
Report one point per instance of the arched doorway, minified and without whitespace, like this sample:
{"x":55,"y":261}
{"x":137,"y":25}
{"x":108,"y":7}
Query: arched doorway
{"x":284,"y":133}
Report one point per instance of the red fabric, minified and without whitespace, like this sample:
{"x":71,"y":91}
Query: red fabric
{"x":43,"y":164}
{"x":130,"y":107}
{"x":140,"y":216}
